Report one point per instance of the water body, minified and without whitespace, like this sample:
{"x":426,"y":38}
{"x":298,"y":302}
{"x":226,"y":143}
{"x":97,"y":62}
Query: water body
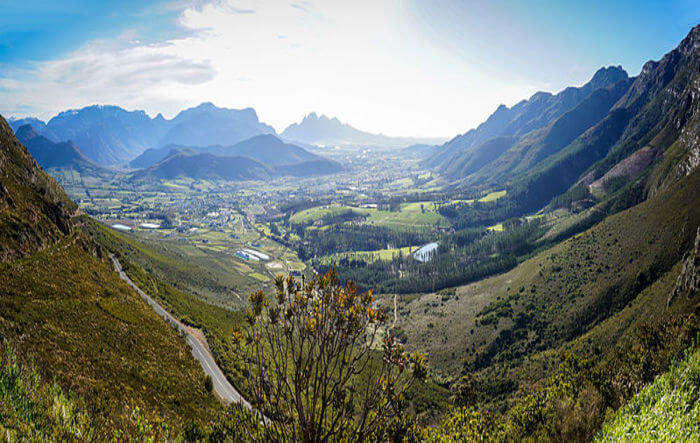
{"x":426,"y":252}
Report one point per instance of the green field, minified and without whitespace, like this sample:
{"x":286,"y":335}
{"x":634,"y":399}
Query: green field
{"x":308,"y":216}
{"x":493,"y":196}
{"x":409,"y":215}
{"x":369,"y":256}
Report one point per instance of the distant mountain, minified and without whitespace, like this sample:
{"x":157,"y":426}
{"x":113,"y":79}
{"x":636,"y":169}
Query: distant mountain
{"x":63,"y":155}
{"x":205,"y":166}
{"x":111,"y":135}
{"x":108,"y":134}
{"x":207,"y":125}
{"x":539,"y":111}
{"x":38,"y":125}
{"x":269,"y":156}
{"x":332,"y":132}
{"x":271,"y":150}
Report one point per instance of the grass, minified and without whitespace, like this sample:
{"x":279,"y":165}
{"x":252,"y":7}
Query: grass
{"x":493,"y":196}
{"x":34,"y":410}
{"x":496,"y":228}
{"x":409,"y":216}
{"x":310,"y":215}
{"x":205,"y":272}
{"x":71,"y":316}
{"x":667,"y":410}
{"x":369,"y":256}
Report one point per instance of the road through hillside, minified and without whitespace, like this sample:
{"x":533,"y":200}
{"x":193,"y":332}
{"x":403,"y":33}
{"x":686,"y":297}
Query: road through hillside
{"x":222,"y":387}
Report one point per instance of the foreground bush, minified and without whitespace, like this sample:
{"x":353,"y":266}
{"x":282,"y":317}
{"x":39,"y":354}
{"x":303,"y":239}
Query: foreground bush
{"x":322,"y":365}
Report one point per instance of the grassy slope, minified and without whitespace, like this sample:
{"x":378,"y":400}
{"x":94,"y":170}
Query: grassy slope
{"x":34,"y":210}
{"x":311,"y":214}
{"x":69,"y":313}
{"x":560,"y":293}
{"x":667,"y":410}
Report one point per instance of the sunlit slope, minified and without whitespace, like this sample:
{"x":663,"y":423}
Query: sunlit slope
{"x":666,"y":410}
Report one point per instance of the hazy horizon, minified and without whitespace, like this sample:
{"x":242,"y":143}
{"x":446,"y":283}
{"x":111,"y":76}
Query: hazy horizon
{"x":397,"y":68}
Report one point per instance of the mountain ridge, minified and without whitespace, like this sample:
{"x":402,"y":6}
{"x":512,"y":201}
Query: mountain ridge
{"x":541,"y":109}
{"x":322,"y":130}
{"x":110,"y":135}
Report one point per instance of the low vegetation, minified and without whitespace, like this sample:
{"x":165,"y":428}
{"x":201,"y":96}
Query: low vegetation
{"x":666,"y":410}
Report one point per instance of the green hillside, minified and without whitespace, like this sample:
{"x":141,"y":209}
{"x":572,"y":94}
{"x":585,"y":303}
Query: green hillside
{"x":666,"y":410}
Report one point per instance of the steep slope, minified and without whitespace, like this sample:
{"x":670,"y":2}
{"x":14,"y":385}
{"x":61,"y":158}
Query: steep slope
{"x":68,"y":314}
{"x":528,"y":115}
{"x":207,"y":125}
{"x":34,"y":211}
{"x":537,"y":145}
{"x":475,"y":159}
{"x":324,"y":131}
{"x":666,"y":410}
{"x":660,"y":110}
{"x":63,"y":155}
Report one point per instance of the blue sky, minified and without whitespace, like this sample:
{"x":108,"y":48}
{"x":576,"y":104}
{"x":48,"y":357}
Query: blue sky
{"x":40,"y":30}
{"x":418,"y":67}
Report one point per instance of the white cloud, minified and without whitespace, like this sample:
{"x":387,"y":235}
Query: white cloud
{"x":361,"y":61}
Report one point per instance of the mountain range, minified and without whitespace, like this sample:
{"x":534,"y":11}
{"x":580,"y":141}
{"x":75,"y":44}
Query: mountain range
{"x":258,"y":157}
{"x":538,"y":111}
{"x":325,"y":131}
{"x":543,"y":146}
{"x":110,"y":135}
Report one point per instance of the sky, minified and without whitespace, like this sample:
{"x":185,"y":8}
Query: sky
{"x":411,"y":68}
